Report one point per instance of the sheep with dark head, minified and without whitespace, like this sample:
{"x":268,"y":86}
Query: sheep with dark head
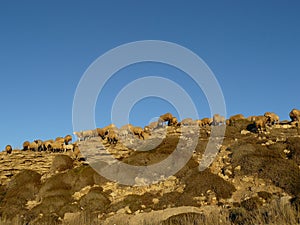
{"x":39,"y":144}
{"x":33,"y":146}
{"x":173,"y":121}
{"x":26,"y":145}
{"x":295,"y":115}
{"x":260,"y":123}
{"x":272,"y":118}
{"x":206,"y":122}
{"x":8,"y":149}
{"x":102,"y":132}
{"x":67,"y":139}
{"x":57,"y":146}
{"x":47,"y":145}
{"x":68,"y":147}
{"x":112,"y":137}
{"x":138,"y":131}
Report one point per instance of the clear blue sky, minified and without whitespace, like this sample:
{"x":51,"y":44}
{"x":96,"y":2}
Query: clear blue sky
{"x":253,"y":48}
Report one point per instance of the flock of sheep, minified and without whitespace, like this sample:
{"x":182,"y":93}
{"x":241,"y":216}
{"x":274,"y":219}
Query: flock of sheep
{"x":112,"y":134}
{"x":60,"y":144}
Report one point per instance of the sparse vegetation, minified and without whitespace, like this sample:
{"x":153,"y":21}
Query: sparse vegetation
{"x":255,"y":179}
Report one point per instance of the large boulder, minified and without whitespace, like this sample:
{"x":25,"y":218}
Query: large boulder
{"x":61,"y":163}
{"x":22,"y":188}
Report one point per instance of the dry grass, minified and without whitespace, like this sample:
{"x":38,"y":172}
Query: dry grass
{"x":275,"y":213}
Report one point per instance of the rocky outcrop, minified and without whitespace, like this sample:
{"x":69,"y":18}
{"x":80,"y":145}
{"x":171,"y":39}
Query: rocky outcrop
{"x":252,"y":172}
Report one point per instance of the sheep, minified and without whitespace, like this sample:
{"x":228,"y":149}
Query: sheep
{"x":60,"y":139}
{"x":173,"y":121}
{"x":260,"y":123}
{"x":8,"y":149}
{"x":295,"y":115}
{"x":234,"y":118}
{"x":218,"y":119}
{"x":40,"y":144}
{"x":112,"y":137}
{"x":47,"y":144}
{"x":167,"y":117}
{"x":102,"y":132}
{"x":188,"y":122}
{"x":147,"y":129}
{"x":67,"y":139}
{"x":26,"y":145}
{"x":57,"y":146}
{"x":76,"y":151}
{"x":33,"y":146}
{"x":206,"y":121}
{"x":199,"y":123}
{"x":68,"y":147}
{"x":86,"y":134}
{"x":138,"y":131}
{"x":251,"y":118}
{"x":272,"y":118}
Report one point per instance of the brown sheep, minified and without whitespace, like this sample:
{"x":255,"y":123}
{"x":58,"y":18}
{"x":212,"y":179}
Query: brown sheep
{"x":167,"y":117}
{"x":218,"y":119}
{"x":40,"y":144}
{"x":251,"y":118}
{"x":199,"y":123}
{"x":8,"y":149}
{"x":57,"y":146}
{"x":26,"y":145}
{"x":47,"y":145}
{"x":147,"y":129}
{"x":234,"y":118}
{"x":102,"y":132}
{"x":67,"y":139}
{"x":76,"y":151}
{"x":112,"y":137}
{"x":295,"y":115}
{"x":260,"y":123}
{"x":33,"y":146}
{"x":188,"y":122}
{"x":138,"y":131}
{"x":272,"y":118}
{"x":86,"y":134}
{"x":68,"y":147}
{"x":206,"y":121}
{"x":173,"y":122}
{"x":60,"y":139}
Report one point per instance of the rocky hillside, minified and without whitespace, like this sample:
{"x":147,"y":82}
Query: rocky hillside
{"x":255,"y":179}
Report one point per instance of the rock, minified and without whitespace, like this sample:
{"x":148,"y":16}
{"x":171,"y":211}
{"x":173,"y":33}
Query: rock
{"x":155,"y":201}
{"x":247,"y":179}
{"x":61,"y":163}
{"x":95,"y":200}
{"x":238,"y":168}
{"x":71,"y":218}
{"x":77,"y":195}
{"x":245,"y":132}
{"x":128,"y":210}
